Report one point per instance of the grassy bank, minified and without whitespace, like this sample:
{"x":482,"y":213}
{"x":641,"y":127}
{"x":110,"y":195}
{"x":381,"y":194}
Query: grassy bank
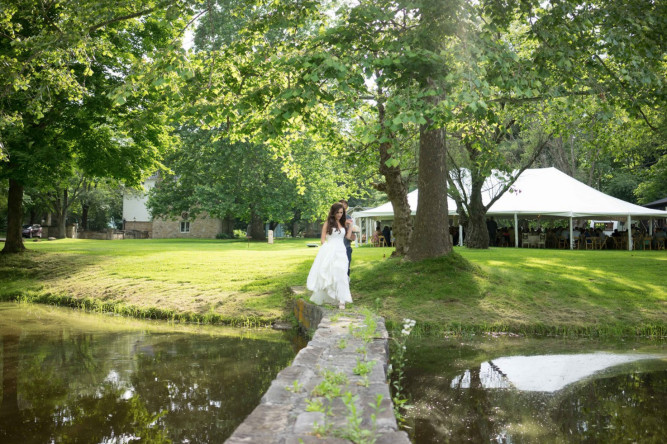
{"x":521,"y":290}
{"x":526,"y":291}
{"x":203,"y":281}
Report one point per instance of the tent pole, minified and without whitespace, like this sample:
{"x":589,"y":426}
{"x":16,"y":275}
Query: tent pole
{"x":369,"y":222}
{"x":516,"y":231}
{"x":369,"y":229}
{"x":460,"y":235}
{"x":571,"y":234}
{"x":629,"y":233}
{"x":650,"y":227}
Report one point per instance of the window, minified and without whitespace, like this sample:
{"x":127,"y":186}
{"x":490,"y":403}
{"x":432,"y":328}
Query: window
{"x":185,"y":227}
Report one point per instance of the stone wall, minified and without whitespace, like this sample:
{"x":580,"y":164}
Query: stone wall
{"x":308,"y":315}
{"x":138,"y":225}
{"x":281,"y":417}
{"x":49,"y":231}
{"x":109,"y":234}
{"x":200,"y":228}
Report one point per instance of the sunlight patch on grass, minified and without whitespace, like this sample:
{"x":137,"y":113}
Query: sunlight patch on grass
{"x":496,"y":263}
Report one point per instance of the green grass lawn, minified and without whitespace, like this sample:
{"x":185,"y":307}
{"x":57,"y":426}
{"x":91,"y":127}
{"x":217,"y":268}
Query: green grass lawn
{"x":524,"y":290}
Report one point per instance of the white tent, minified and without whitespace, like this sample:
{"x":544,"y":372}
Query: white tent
{"x":386,"y":210}
{"x":542,"y":192}
{"x":550,"y":192}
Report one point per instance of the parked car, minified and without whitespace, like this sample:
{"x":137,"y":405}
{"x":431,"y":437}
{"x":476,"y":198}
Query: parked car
{"x":34,"y":230}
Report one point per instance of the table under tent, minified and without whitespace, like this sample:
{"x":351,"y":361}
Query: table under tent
{"x":538,"y":193}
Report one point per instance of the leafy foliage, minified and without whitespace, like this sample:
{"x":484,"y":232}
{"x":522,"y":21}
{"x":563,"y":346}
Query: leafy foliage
{"x":224,"y":178}
{"x":61,"y":62}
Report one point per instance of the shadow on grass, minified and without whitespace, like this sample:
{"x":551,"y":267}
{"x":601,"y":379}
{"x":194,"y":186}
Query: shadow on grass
{"x":30,"y":270}
{"x":26,"y":277}
{"x":422,"y":290}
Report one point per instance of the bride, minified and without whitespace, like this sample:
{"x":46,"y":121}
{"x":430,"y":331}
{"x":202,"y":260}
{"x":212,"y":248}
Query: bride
{"x":328,"y":279}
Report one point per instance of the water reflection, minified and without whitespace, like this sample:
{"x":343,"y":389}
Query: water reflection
{"x":544,"y":373}
{"x":511,"y":391}
{"x":84,"y":378}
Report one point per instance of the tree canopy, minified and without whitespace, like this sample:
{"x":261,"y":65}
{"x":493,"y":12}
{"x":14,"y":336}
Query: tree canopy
{"x":61,"y":63}
{"x":284,"y":106}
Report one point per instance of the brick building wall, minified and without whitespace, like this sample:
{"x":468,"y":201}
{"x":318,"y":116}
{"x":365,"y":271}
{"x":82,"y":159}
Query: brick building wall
{"x":200,"y":228}
{"x":142,"y":227}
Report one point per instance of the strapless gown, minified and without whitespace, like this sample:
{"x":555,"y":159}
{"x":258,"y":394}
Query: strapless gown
{"x":328,"y":278}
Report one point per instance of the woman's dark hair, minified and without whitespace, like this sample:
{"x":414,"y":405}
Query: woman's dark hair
{"x":331,"y":219}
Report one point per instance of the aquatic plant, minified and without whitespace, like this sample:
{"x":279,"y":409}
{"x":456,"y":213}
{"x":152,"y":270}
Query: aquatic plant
{"x":396,"y":372}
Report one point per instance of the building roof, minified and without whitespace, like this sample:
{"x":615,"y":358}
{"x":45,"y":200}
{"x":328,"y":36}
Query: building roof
{"x":657,"y":204}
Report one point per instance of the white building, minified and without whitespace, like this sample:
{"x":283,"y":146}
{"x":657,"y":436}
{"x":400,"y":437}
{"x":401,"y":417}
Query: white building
{"x":138,"y":220}
{"x":135,"y":211}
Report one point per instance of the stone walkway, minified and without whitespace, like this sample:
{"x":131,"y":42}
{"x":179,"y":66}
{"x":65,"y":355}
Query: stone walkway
{"x":336,"y":389}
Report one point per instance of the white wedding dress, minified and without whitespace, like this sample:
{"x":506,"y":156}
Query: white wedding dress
{"x":328,"y":278}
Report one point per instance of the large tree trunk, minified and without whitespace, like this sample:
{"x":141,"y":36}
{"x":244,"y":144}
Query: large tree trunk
{"x":294,"y":223}
{"x":313,"y":229}
{"x":14,"y":241}
{"x":228,"y":225}
{"x":62,"y":227}
{"x":463,"y":217}
{"x":257,"y":227}
{"x":61,"y":205}
{"x":477,"y":233}
{"x":397,"y":192}
{"x":84,"y":216}
{"x":430,"y":237}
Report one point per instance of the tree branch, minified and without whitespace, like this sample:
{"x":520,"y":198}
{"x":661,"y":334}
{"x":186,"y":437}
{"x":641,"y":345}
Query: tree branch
{"x":129,"y":16}
{"x":511,"y":182}
{"x":540,"y":98}
{"x":460,"y":195}
{"x":624,"y":86}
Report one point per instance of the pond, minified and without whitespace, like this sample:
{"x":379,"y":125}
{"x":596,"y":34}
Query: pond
{"x":69,"y":376}
{"x":533,"y":390}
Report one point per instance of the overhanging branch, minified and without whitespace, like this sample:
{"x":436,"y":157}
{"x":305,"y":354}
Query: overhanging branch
{"x":507,"y":186}
{"x":129,"y":16}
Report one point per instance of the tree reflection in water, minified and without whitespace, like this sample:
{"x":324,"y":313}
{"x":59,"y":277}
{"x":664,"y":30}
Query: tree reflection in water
{"x":628,"y":407}
{"x":101,"y":386}
{"x":458,"y":395}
